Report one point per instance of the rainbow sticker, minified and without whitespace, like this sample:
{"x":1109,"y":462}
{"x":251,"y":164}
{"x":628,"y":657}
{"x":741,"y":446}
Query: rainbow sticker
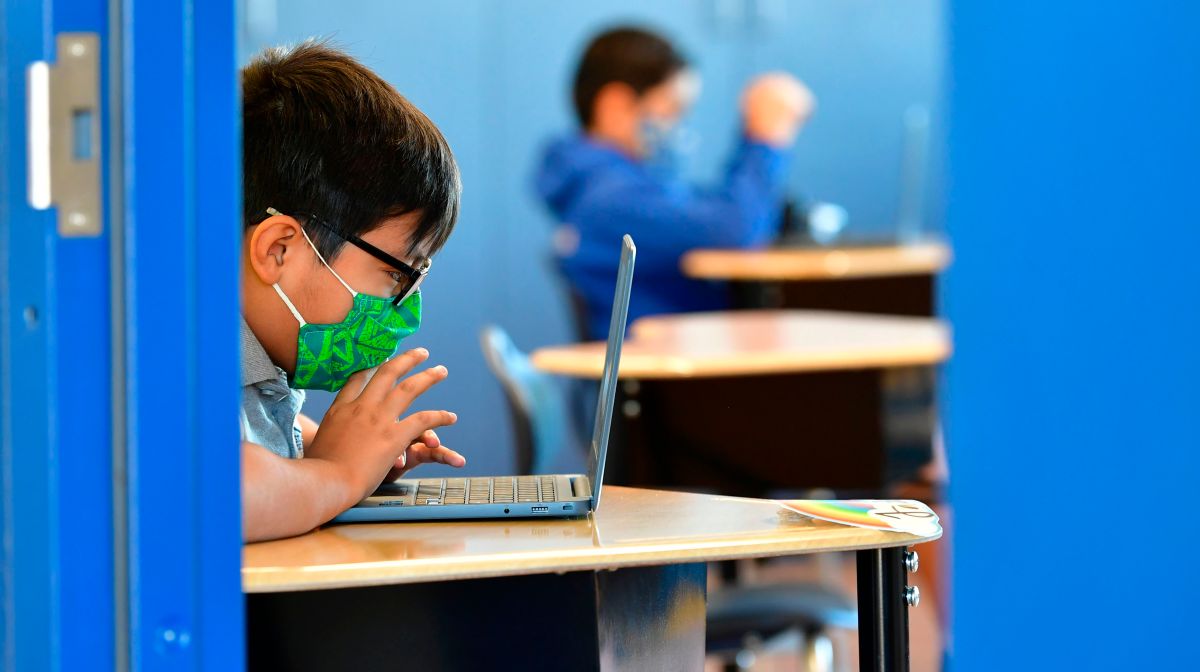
{"x":893,"y":515}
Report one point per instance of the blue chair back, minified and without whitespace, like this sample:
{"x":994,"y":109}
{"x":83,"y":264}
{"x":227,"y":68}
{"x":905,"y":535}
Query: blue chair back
{"x":535,"y":400}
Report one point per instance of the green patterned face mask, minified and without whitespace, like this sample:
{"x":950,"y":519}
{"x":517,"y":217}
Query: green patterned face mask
{"x":327,"y":354}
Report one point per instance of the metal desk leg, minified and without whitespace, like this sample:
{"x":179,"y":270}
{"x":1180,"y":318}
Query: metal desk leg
{"x":651,"y":618}
{"x":883,"y":600}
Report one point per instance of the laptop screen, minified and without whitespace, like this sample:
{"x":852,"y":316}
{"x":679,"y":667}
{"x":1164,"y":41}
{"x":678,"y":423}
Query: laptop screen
{"x":612,"y":357}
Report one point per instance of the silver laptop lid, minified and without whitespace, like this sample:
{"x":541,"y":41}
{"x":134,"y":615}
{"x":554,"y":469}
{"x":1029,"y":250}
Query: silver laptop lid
{"x":612,"y":358}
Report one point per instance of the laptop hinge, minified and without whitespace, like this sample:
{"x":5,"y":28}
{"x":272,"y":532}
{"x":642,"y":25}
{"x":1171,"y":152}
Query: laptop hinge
{"x":581,"y":487}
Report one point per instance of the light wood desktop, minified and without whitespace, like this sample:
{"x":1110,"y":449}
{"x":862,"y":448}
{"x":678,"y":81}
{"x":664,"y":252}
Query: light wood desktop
{"x":632,"y":527}
{"x":817,"y":263}
{"x":757,"y":342}
{"x":810,"y":397}
{"x":894,"y":279}
{"x":527,"y":589}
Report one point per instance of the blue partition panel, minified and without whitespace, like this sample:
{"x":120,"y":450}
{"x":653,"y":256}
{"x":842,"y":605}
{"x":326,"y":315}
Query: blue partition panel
{"x":55,"y":382}
{"x":1072,"y":396}
{"x":183,"y":177}
{"x":28,"y":556}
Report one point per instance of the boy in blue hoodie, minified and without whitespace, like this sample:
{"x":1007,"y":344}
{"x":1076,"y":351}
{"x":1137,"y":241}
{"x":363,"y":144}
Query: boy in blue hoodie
{"x":617,"y":175}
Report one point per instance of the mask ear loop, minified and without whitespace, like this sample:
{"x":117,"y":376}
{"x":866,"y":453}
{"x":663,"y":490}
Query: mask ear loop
{"x":318,"y":253}
{"x":288,"y":302}
{"x":279,"y":290}
{"x":353,"y":293}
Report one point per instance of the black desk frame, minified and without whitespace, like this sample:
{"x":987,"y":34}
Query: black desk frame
{"x":635,"y":618}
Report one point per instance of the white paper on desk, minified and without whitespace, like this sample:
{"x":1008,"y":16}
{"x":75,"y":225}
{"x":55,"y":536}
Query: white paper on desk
{"x":892,"y":515}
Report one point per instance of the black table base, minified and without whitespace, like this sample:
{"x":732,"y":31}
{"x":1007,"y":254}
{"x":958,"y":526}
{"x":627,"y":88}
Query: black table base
{"x":853,"y":432}
{"x":640,"y":618}
{"x":882,"y":610}
{"x":913,"y":295}
{"x":632,"y":619}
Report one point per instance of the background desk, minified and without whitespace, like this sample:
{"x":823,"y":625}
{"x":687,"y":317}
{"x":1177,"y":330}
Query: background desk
{"x":894,"y":280}
{"x":751,"y":402}
{"x":538,"y":594}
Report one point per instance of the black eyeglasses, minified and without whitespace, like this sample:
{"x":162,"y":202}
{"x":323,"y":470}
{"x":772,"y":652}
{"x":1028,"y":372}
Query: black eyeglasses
{"x":411,"y":277}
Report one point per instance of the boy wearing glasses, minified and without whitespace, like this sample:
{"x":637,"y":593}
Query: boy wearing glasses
{"x":349,"y":191}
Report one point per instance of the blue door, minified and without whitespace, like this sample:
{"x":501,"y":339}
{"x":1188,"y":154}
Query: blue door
{"x":119,"y":210}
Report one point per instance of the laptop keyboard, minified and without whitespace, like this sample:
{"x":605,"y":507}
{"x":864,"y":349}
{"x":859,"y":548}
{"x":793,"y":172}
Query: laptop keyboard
{"x":435,"y":491}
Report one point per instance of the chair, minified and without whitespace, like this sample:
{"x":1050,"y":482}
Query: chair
{"x":535,"y":403}
{"x":739,"y":617}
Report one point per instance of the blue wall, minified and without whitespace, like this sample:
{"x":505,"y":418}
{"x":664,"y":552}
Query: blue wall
{"x":493,"y":75}
{"x":1072,"y":398}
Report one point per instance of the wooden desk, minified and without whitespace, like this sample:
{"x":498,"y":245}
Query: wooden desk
{"x":898,"y":279}
{"x":706,"y":345}
{"x":817,"y":263}
{"x":621,"y":590}
{"x":750,"y":403}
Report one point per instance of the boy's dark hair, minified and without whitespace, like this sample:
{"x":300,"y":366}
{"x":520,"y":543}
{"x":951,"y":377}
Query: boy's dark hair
{"x":628,"y":55}
{"x":324,"y":136}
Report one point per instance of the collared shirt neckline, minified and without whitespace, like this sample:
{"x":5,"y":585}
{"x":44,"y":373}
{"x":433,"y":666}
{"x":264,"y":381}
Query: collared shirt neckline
{"x":257,"y":366}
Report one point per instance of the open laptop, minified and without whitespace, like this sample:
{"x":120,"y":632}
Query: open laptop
{"x":551,"y":496}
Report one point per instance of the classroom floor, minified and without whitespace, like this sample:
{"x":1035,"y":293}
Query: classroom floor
{"x":925,"y":631}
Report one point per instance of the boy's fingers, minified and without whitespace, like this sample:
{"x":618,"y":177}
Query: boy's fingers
{"x":353,"y":387}
{"x":427,"y":420}
{"x":402,"y":395}
{"x":413,"y":455}
{"x":419,"y":453}
{"x":449,"y":457}
{"x":430,"y":438}
{"x":392,"y":370}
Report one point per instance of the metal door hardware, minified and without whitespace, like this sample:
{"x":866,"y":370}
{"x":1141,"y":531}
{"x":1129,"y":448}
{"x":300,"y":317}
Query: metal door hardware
{"x":64,"y":135}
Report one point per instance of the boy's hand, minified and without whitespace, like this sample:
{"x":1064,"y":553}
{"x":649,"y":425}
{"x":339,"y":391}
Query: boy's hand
{"x":427,"y":449}
{"x":774,"y":107}
{"x":362,"y":434}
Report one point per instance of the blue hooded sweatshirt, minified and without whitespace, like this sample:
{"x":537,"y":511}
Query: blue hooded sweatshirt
{"x":598,"y":194}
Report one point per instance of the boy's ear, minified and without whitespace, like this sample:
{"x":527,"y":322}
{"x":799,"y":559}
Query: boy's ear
{"x":614,"y":101}
{"x":270,"y":242}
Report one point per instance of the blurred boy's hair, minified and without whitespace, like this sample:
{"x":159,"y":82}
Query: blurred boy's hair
{"x":632,"y":56}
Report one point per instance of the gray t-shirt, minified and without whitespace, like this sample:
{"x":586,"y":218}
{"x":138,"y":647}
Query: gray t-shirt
{"x":269,"y":406}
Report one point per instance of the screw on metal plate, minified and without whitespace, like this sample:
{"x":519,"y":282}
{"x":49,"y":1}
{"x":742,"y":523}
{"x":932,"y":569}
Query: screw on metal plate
{"x":911,"y":561}
{"x":912,"y":595}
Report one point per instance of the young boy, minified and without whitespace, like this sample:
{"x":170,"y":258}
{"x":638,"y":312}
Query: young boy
{"x":349,"y":190}
{"x":619,"y":173}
